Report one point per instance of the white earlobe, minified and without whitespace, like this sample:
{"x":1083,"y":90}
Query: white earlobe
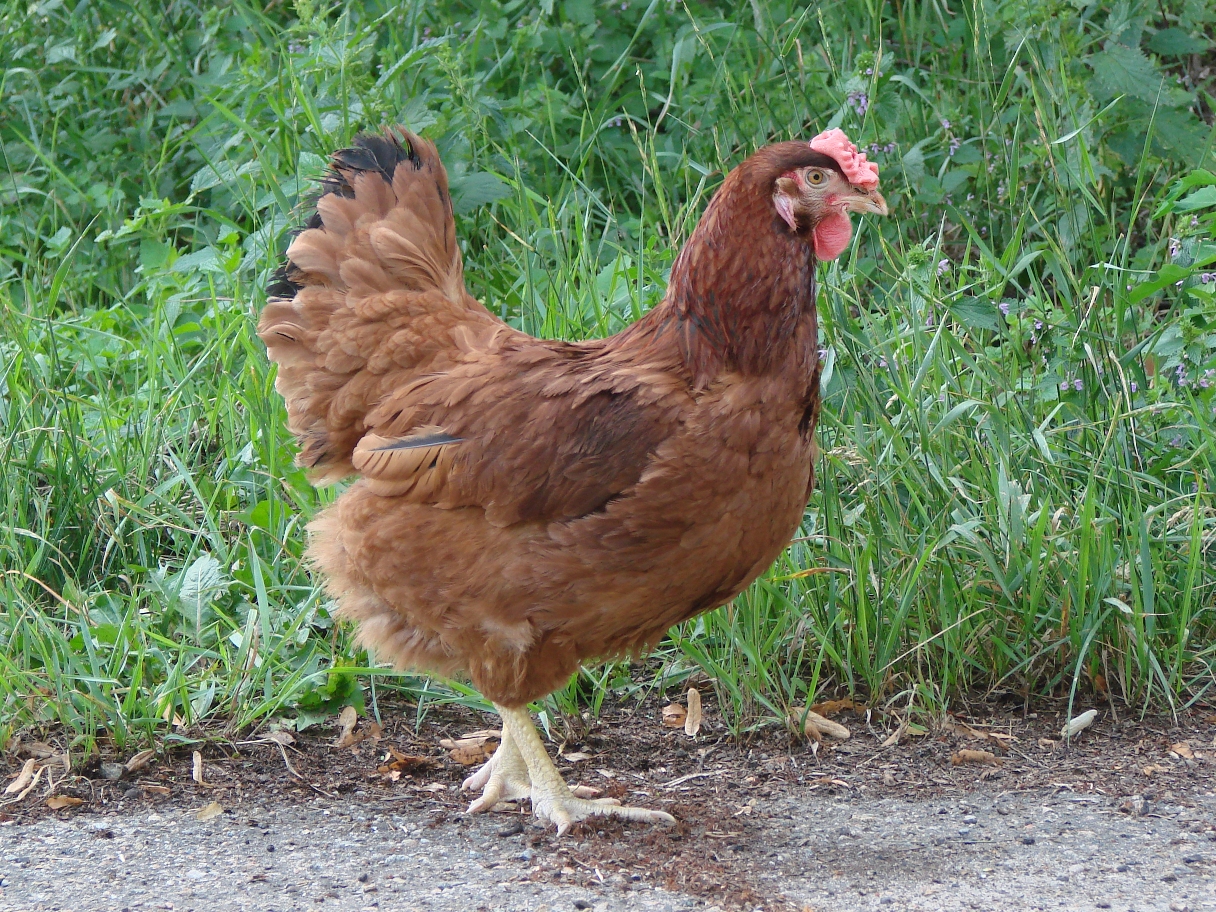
{"x":785,"y":208}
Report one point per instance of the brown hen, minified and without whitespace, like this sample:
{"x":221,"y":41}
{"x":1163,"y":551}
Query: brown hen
{"x":523,"y":504}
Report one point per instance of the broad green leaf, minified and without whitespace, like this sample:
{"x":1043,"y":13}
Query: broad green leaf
{"x":1174,"y":42}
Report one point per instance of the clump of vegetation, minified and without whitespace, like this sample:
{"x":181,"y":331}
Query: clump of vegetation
{"x":1019,"y":366}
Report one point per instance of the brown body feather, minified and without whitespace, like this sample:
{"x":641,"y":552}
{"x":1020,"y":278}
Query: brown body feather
{"x":525,"y":504}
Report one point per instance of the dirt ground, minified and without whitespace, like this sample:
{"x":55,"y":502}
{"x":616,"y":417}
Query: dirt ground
{"x":894,"y":817}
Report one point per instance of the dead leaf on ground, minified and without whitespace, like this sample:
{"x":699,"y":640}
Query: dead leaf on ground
{"x":197,"y":772}
{"x":1183,"y":750}
{"x":958,"y":727}
{"x":470,"y":756}
{"x":692,"y":720}
{"x":59,"y":802}
{"x":829,"y":708}
{"x":473,"y":739}
{"x":1078,"y":724}
{"x":431,"y":787}
{"x":674,"y":715}
{"x":893,"y":738}
{"x":1154,"y":768}
{"x":348,"y":718}
{"x":140,"y":760}
{"x":577,"y":757}
{"x":397,"y":763}
{"x":829,"y":780}
{"x":209,"y":811}
{"x":279,"y":736}
{"x":24,"y":778}
{"x":474,"y":748}
{"x":973,"y":756}
{"x":813,"y":723}
{"x":39,"y":750}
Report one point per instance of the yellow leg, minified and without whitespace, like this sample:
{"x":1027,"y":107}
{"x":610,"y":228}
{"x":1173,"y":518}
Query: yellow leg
{"x":504,"y":777}
{"x":552,"y":800}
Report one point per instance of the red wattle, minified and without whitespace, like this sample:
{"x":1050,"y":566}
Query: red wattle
{"x":831,"y":236}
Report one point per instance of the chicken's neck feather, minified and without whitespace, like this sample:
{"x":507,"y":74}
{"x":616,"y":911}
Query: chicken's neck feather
{"x":742,"y":292}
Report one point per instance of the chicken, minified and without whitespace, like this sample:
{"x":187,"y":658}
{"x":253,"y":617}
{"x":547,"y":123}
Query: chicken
{"x":524,"y":505}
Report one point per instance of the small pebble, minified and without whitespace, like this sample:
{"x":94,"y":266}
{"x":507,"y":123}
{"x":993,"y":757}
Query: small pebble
{"x":970,"y":819}
{"x":112,"y":771}
{"x":1027,"y":840}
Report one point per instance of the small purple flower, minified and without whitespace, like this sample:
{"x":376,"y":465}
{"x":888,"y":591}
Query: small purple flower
{"x":1078,"y":384}
{"x":929,"y":318}
{"x":955,"y":142}
{"x":1207,"y":278}
{"x":943,"y":266}
{"x":860,"y":102}
{"x":1194,"y":221}
{"x":1175,"y":246}
{"x":426,"y":32}
{"x":1135,"y":386}
{"x":945,"y":124}
{"x":1004,"y":307}
{"x":823,"y":353}
{"x":1176,"y":440}
{"x":882,"y":362}
{"x":890,"y":147}
{"x":1038,"y":324}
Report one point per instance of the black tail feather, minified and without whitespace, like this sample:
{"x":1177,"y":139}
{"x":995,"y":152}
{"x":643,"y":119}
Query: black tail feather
{"x":380,"y":153}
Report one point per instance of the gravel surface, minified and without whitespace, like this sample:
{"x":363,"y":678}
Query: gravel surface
{"x":987,"y":850}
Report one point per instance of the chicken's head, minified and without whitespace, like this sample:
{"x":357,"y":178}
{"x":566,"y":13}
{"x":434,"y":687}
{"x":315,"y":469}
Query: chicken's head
{"x":831,"y":180}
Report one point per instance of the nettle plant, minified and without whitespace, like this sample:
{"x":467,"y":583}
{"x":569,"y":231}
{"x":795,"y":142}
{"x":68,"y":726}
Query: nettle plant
{"x":1185,"y":287}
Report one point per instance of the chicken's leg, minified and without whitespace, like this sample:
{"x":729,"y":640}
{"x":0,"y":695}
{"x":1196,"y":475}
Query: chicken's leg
{"x":552,"y":800}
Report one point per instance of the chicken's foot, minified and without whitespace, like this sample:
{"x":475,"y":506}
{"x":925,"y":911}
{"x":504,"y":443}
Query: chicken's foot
{"x":552,"y":799}
{"x":504,"y":777}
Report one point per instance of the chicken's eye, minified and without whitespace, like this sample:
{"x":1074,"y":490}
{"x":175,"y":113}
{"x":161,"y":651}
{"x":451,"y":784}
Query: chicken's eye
{"x":815,"y":177}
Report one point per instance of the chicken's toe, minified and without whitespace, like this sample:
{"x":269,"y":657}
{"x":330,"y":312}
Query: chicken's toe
{"x":567,"y":810}
{"x":504,"y":777}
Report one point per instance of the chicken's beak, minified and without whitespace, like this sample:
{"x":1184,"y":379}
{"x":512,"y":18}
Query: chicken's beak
{"x":866,"y":201}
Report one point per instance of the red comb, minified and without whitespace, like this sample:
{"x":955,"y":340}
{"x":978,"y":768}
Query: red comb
{"x":860,"y":173}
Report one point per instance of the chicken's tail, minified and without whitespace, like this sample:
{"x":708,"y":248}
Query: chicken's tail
{"x":371,"y":296}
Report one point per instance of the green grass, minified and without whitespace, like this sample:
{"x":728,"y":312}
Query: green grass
{"x":1017,"y":487}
